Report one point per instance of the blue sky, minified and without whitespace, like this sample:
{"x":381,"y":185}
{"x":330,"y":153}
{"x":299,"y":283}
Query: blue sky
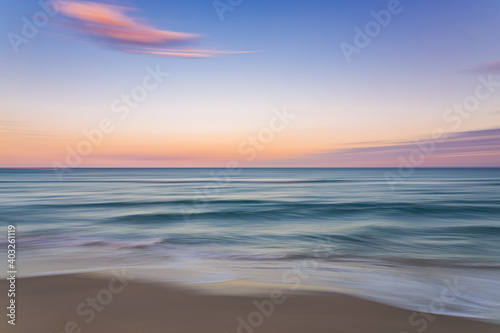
{"x":63,"y":81}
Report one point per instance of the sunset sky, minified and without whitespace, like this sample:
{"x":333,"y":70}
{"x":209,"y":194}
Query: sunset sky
{"x":228,"y":80}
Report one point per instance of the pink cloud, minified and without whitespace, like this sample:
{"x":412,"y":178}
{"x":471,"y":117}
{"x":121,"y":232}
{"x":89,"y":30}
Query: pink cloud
{"x":98,"y":13}
{"x":166,"y":52}
{"x":112,"y":24}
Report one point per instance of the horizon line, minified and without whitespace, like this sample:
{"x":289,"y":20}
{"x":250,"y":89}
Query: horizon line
{"x":86,"y":168}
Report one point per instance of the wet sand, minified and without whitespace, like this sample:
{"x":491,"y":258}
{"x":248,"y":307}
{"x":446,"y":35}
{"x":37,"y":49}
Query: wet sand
{"x":82,"y":303}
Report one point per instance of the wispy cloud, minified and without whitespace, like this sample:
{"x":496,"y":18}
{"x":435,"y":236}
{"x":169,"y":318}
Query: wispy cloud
{"x":147,"y":157}
{"x":114,"y":26}
{"x":155,"y":160}
{"x":489,"y":67}
{"x":462,"y":149}
{"x":11,"y":128}
{"x":479,"y":148}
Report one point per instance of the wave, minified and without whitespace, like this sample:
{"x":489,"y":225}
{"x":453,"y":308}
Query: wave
{"x":201,"y":181}
{"x":325,"y":248}
{"x":177,"y":202}
{"x":69,"y":241}
{"x":256,"y":210}
{"x":389,"y":261}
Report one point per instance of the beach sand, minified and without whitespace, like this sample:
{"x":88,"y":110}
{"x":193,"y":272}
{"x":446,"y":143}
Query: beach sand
{"x":54,"y":304}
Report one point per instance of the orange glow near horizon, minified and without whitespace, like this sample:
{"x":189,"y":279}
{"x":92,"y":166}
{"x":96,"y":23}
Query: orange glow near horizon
{"x":117,"y":150}
{"x":130,"y":73}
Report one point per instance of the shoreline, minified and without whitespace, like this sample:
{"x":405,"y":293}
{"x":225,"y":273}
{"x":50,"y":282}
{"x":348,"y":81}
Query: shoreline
{"x":449,"y":299}
{"x":121,"y":303}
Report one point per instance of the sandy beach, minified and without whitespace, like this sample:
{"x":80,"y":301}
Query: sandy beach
{"x":84,"y":303}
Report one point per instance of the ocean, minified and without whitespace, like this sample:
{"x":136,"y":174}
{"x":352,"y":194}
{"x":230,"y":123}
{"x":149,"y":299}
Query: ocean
{"x":429,"y":243}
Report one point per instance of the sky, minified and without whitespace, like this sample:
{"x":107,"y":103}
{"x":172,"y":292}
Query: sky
{"x":348,"y":83}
